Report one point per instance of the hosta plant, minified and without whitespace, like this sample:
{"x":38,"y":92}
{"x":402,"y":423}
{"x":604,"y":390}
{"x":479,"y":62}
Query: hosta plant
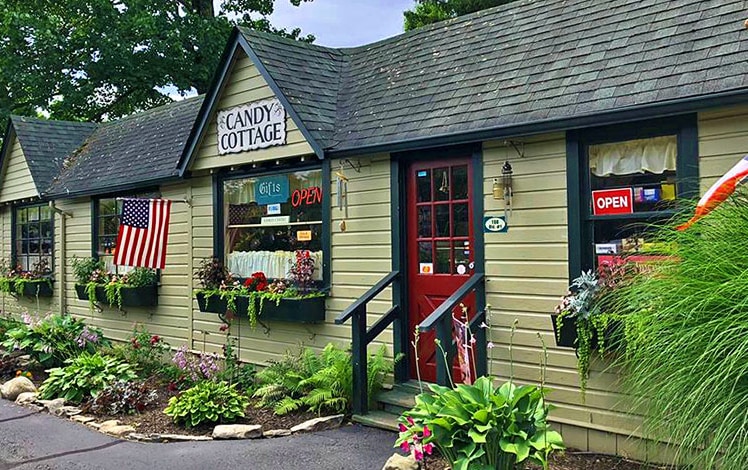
{"x":207,"y":402}
{"x":482,"y":427}
{"x":84,"y":377}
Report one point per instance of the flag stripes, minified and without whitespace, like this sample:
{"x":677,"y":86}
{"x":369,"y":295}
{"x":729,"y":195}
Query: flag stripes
{"x":143,"y":231}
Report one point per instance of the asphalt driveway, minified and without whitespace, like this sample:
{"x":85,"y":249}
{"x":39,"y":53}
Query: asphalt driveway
{"x":31,"y":440}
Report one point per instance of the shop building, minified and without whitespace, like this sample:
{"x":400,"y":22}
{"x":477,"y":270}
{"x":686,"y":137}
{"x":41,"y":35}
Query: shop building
{"x":465,"y":156}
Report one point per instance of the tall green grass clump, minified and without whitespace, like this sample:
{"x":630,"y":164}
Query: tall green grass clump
{"x":686,"y":332}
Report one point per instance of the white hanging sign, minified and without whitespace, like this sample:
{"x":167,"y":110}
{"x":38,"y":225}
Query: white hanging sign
{"x":251,"y":126}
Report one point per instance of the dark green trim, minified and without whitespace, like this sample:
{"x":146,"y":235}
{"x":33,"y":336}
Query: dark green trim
{"x":13,"y":237}
{"x":95,"y":227}
{"x":210,"y":103}
{"x":400,"y":337}
{"x":479,"y":257}
{"x":218,"y":230}
{"x":618,"y":116}
{"x":326,"y":225}
{"x":282,"y":98}
{"x":580,"y":218}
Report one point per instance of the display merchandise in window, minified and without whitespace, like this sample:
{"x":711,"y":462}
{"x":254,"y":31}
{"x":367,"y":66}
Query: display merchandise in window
{"x":631,"y":182}
{"x":269,"y":218}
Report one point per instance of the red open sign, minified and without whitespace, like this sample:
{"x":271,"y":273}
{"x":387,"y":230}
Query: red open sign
{"x":613,"y":201}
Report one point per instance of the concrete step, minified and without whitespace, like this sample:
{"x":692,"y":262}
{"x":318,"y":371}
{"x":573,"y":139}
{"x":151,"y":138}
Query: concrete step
{"x":377,"y":419}
{"x":396,"y":400}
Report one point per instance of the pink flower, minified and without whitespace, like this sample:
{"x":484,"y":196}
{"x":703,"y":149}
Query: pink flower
{"x":402,"y":427}
{"x":410,"y":421}
{"x":426,"y":431}
{"x":405,"y":446}
{"x":428,"y":448}
{"x":490,"y":345}
{"x":418,"y":455}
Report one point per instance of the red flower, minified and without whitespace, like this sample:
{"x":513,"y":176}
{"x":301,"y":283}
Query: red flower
{"x":135,"y":343}
{"x":155,"y":339}
{"x":224,"y":327}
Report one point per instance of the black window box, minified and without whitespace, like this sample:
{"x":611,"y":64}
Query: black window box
{"x":567,"y":337}
{"x":143,"y":296}
{"x":41,"y":288}
{"x":296,"y":310}
{"x":215,"y":304}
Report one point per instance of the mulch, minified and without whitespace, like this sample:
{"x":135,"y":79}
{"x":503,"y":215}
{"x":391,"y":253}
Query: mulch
{"x":570,"y":460}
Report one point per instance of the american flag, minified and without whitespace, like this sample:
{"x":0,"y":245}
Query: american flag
{"x":143,"y":230}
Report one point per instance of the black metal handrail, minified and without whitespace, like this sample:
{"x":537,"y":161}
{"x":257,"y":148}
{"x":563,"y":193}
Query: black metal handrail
{"x":361,"y":336}
{"x":441,"y":320}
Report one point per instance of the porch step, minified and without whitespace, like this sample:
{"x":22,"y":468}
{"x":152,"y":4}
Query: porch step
{"x":377,"y":419}
{"x":390,"y":404}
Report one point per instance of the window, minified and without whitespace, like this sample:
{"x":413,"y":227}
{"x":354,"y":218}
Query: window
{"x":620,"y":180}
{"x":33,"y":237}
{"x":106,"y":228}
{"x":268,"y":218}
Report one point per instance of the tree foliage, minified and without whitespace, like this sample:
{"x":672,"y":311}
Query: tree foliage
{"x":432,"y":11}
{"x":97,"y":59}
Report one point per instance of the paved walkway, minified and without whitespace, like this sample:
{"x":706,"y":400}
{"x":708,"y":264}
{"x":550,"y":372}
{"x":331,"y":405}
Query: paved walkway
{"x":31,"y":440}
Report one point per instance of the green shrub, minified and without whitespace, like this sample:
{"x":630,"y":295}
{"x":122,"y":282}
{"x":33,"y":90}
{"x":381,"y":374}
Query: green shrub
{"x":145,"y":351}
{"x":480,"y":426}
{"x":207,"y":402}
{"x":686,"y":333}
{"x":53,"y":339}
{"x":85,"y":376}
{"x":83,"y":268}
{"x":123,"y":397}
{"x":324,"y":382}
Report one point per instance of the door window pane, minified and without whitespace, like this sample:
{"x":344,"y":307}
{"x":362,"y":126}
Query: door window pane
{"x":423,"y":185}
{"x":460,"y":182}
{"x":460,"y":220}
{"x":424,"y":252}
{"x":443,"y":261}
{"x":424,"y":222}
{"x":462,"y":256}
{"x":441,"y":184}
{"x":442,"y":220}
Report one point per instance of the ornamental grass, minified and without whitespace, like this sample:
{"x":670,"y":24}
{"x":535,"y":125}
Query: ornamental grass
{"x":686,"y":330}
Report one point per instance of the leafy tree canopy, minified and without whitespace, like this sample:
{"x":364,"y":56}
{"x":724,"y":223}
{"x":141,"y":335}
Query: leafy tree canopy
{"x":98,"y":59}
{"x":432,"y":11}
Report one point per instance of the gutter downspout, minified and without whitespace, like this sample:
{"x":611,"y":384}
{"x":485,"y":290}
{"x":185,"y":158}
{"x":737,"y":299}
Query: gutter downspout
{"x":61,"y":275}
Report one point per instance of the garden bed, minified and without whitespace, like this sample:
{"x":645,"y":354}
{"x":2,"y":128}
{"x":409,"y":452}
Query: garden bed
{"x":572,"y":460}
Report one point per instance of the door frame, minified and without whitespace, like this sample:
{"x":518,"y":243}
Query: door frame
{"x":398,"y":218}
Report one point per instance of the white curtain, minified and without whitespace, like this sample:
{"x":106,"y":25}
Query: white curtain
{"x":275,"y":264}
{"x":655,"y":155}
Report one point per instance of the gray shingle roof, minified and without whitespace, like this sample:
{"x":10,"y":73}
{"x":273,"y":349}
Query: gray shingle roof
{"x":525,"y":62}
{"x":134,"y":150}
{"x":46,"y":143}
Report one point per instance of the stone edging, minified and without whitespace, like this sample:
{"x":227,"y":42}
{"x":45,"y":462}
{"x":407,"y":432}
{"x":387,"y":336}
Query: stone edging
{"x":113,"y":427}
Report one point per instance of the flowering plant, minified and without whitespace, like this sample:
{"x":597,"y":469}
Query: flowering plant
{"x":14,"y":280}
{"x":257,"y":282}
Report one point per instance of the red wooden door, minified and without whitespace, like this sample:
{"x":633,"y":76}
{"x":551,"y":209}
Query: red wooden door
{"x":440,"y":245}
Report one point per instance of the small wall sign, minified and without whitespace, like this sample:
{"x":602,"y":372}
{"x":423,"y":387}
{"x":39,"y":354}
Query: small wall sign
{"x":276,"y":220}
{"x":495,"y":224}
{"x":426,"y":268}
{"x":251,"y":126}
{"x":304,"y":235}
{"x":271,"y":190}
{"x":274,"y":209}
{"x":613,"y":201}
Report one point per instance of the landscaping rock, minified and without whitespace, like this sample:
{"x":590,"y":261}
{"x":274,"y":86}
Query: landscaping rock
{"x":117,"y":431}
{"x":184,"y":437}
{"x":69,"y":411}
{"x":237,"y":431}
{"x":144,"y":437}
{"x":26,"y":398}
{"x":319,"y":424}
{"x":53,"y":406}
{"x":93,"y":424}
{"x":401,"y":462}
{"x":83,"y":419}
{"x":14,"y":387}
{"x":277,"y":433}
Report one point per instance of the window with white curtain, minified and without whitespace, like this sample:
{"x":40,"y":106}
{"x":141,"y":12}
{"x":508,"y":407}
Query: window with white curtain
{"x":269,"y":218}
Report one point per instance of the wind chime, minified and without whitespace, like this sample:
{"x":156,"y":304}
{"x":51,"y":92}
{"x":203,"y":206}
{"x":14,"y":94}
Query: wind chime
{"x":342,"y":186}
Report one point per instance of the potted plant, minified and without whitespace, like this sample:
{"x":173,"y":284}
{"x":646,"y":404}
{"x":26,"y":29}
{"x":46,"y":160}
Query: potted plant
{"x":34,"y":283}
{"x":137,"y":288}
{"x":296,"y":300}
{"x":586,"y":319}
{"x":220,"y":292}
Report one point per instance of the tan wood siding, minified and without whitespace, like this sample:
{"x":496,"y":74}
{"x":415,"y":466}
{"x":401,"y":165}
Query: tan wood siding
{"x":246,"y":85}
{"x":723,"y":141}
{"x":16,"y":182}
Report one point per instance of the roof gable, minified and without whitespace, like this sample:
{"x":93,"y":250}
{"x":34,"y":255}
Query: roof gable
{"x":46,"y":144}
{"x":16,"y":182}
